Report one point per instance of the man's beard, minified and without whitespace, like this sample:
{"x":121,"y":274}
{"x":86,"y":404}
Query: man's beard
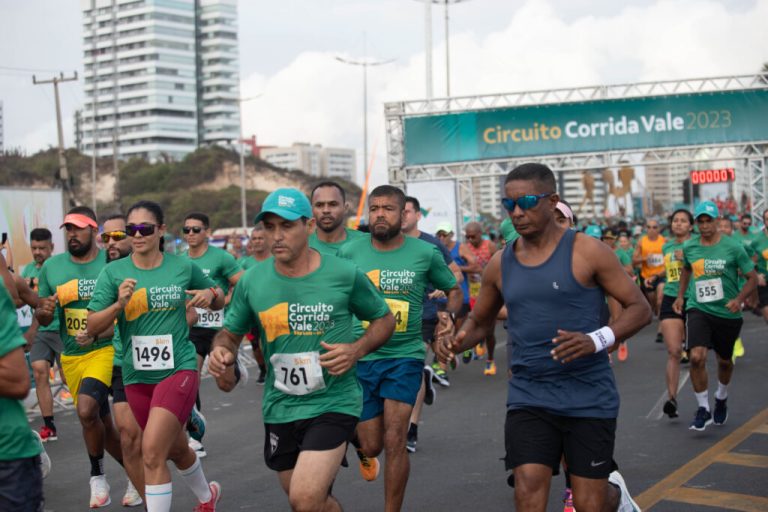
{"x":333,"y":226}
{"x":387,"y":235}
{"x":121,"y":255}
{"x":81,"y":249}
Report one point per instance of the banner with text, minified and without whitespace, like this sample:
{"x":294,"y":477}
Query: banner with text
{"x":438,"y":203}
{"x":593,"y":126}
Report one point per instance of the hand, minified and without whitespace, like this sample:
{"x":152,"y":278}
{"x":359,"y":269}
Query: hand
{"x":219,"y":359}
{"x":200,"y":298}
{"x":649,"y":281}
{"x":677,"y":306}
{"x":446,"y":347}
{"x":339,"y":357}
{"x":125,"y":292}
{"x":733,"y":305}
{"x":571,"y":345}
{"x":83,"y":339}
{"x":437,"y":294}
{"x":760,"y":280}
{"x":446,"y":327}
{"x":47,"y":305}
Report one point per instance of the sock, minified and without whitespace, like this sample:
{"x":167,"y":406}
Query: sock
{"x":198,"y":403}
{"x":49,"y":422}
{"x":567,"y":478}
{"x":703,"y":399}
{"x":413,"y":430}
{"x":97,"y":464}
{"x":722,"y":391}
{"x":159,"y":497}
{"x":262,"y":368}
{"x":195,"y":479}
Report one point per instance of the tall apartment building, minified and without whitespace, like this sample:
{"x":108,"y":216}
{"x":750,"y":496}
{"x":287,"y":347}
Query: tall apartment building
{"x":160,"y":75}
{"x":313,"y":159}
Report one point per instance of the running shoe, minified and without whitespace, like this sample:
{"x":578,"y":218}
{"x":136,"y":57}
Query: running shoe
{"x":490,"y":368}
{"x":47,"y":434}
{"x":99,"y":492}
{"x":701,"y":420}
{"x":659,"y":338}
{"x":684,"y":358}
{"x":210,"y":505}
{"x":738,"y":350}
{"x":197,"y":447}
{"x":626,"y":503}
{"x":453,"y":363}
{"x":623,"y":352}
{"x":441,"y":377}
{"x":369,"y":466}
{"x":720,"y":415}
{"x":131,"y":498}
{"x":568,"y":500}
{"x":466,"y":356}
{"x":66,"y":397}
{"x":262,"y":376}
{"x":196,"y":425}
{"x":670,"y":408}
{"x":45,"y":460}
{"x":429,"y":393}
{"x":410,"y":443}
{"x":479,"y":350}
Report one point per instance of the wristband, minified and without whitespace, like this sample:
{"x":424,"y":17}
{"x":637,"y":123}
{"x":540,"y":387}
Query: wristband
{"x":213,"y":291}
{"x":602,"y":338}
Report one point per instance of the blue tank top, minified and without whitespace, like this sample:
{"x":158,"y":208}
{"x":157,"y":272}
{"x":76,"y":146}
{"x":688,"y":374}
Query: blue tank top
{"x":461,"y":262}
{"x":540,"y":300}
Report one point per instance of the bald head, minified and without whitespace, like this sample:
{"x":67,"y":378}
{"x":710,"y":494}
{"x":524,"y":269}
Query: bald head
{"x":474,"y":233}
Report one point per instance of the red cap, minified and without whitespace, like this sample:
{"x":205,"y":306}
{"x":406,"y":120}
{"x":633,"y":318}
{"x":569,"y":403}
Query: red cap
{"x":79,"y":220}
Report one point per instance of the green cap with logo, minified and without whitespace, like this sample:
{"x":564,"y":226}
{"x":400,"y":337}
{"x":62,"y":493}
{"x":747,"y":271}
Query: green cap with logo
{"x":706,"y":208}
{"x":594,"y":231}
{"x":288,"y":203}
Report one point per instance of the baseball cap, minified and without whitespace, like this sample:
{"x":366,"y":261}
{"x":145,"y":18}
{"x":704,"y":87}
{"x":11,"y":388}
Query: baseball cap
{"x":609,"y":234}
{"x":444,"y":226}
{"x":79,"y":220}
{"x":594,"y":231}
{"x":508,"y":230}
{"x":706,"y":208}
{"x":288,"y":203}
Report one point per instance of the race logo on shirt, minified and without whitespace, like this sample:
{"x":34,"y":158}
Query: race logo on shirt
{"x":392,"y":281}
{"x":162,"y":298}
{"x":295,"y":318}
{"x":137,"y":306}
{"x":707,"y":267}
{"x":74,"y":290}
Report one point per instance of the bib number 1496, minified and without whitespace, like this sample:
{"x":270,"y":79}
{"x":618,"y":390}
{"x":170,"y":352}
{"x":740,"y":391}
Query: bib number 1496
{"x":152,"y":352}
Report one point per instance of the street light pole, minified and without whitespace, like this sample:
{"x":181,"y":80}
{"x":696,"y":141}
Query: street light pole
{"x":243,"y":213}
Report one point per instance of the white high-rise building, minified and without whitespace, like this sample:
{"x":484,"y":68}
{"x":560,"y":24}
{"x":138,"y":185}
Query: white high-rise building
{"x":313,"y":159}
{"x":160,"y":75}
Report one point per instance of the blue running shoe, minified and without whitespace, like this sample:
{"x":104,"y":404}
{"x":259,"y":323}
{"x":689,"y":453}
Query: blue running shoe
{"x":702,"y":419}
{"x":196,"y":425}
{"x":721,"y":411}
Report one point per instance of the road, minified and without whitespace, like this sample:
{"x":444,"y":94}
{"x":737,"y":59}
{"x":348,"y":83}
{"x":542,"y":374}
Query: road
{"x":457,"y":466}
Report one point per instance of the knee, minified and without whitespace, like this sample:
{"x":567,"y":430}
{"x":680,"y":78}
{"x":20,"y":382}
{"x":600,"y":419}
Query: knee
{"x":130,"y":440}
{"x":303,"y":501}
{"x":153,"y":457}
{"x":371,"y":447}
{"x":724,"y":365}
{"x":587,"y":502}
{"x":675,"y":352}
{"x":40,"y":374}
{"x":88,"y":414}
{"x":698,"y":360}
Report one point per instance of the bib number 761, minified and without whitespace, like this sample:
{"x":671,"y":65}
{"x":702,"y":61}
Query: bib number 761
{"x":299,"y":373}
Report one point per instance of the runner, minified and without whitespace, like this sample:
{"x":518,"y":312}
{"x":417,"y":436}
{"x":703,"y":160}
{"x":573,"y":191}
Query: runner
{"x":760,"y":246}
{"x":713,"y":312}
{"x":47,"y":346}
{"x":650,"y":259}
{"x":221,"y":267}
{"x":259,"y":252}
{"x":483,"y":251}
{"x":672,"y":323}
{"x":744,"y":232}
{"x":329,"y":208}
{"x":118,"y":246}
{"x":66,"y":282}
{"x":303,"y":303}
{"x":145,"y":294}
{"x":401,"y":267}
{"x":562,"y":398}
{"x":725,"y":227}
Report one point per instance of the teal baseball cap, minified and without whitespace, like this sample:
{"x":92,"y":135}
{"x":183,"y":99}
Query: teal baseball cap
{"x":594,"y":231}
{"x":508,"y":230}
{"x":706,"y":208}
{"x":288,"y":203}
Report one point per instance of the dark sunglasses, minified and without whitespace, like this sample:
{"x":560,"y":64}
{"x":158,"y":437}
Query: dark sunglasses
{"x":191,"y":229}
{"x":524,"y":202}
{"x":652,"y":227}
{"x":114,"y":235}
{"x":143,"y":229}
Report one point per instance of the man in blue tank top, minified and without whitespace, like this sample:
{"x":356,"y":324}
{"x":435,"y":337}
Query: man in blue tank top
{"x":562,"y":401}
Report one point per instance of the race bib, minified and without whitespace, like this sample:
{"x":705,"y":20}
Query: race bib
{"x":24,"y":315}
{"x":474,"y":289}
{"x":76,"y":320}
{"x":298,"y":374}
{"x":399,"y":309}
{"x":655,"y":260}
{"x":153,"y":352}
{"x":209,"y":319}
{"x":674,"y":268}
{"x":709,"y":290}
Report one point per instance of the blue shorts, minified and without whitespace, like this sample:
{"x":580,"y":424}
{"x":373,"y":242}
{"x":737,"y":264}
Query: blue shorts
{"x":394,"y":379}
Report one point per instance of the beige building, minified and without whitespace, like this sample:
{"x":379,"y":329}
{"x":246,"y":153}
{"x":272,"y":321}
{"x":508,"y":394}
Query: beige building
{"x":314,"y":159}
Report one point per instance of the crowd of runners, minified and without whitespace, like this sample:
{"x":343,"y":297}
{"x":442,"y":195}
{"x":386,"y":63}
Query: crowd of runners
{"x":352,"y":329}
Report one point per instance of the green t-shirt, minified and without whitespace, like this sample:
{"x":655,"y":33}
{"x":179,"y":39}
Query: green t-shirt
{"x":17,"y":441}
{"x":747,"y":240}
{"x":293,"y":314}
{"x":153,"y":326}
{"x":74,"y":283}
{"x":715,"y":274}
{"x":31,"y":273}
{"x":247,"y":262}
{"x":625,"y":256}
{"x":760,"y":247}
{"x":401,"y":275}
{"x":218,"y":265}
{"x":673,"y":268}
{"x":333,"y":248}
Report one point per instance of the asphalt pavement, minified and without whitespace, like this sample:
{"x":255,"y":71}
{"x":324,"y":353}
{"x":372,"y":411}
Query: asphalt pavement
{"x":458,"y":464}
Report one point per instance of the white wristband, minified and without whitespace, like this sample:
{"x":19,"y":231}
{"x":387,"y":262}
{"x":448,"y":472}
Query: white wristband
{"x":602,"y":338}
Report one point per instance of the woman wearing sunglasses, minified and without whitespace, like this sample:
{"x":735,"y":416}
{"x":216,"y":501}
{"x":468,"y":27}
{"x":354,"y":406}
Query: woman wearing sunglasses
{"x":148,"y":294}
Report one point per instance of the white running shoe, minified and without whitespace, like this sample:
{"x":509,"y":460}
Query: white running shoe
{"x":244,"y":375}
{"x":45,"y":460}
{"x":99,"y":492}
{"x":197,"y":447}
{"x":626,"y":503}
{"x":131,"y":498}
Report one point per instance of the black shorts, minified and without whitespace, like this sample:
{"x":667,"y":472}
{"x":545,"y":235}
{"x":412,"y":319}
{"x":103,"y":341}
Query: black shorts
{"x":712,"y":332}
{"x":649,"y":289}
{"x":284,"y":441}
{"x":21,"y":485}
{"x":118,"y":388}
{"x":534,"y":436}
{"x":762,"y":295}
{"x":666,"y":311}
{"x":97,"y":390}
{"x":428,"y":326}
{"x":202,"y":338}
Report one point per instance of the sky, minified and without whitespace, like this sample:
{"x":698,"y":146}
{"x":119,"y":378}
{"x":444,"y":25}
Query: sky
{"x":303,"y":94}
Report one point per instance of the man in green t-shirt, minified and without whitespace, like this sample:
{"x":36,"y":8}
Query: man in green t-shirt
{"x":66,"y":283}
{"x":329,"y":209}
{"x":304,"y":304}
{"x":400,"y":267}
{"x":713,"y":309}
{"x":760,"y":246}
{"x":257,"y":251}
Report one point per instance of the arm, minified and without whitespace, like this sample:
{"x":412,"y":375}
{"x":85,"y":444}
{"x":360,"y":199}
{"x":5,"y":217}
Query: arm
{"x":340,"y":357}
{"x":734,"y":305}
{"x":456,"y":272}
{"x":472,"y":266}
{"x":637,"y":256}
{"x":27,"y":295}
{"x":14,"y":376}
{"x":685,"y":279}
{"x":100,"y":321}
{"x":221,"y":360}
{"x":8,"y":281}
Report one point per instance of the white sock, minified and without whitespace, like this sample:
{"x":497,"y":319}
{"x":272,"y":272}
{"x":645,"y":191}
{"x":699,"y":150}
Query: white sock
{"x":703,"y":399}
{"x":195,"y":479}
{"x":159,"y":497}
{"x":722,"y":391}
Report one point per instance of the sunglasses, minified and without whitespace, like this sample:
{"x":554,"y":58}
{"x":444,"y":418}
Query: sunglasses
{"x":143,"y":229}
{"x":191,"y":229}
{"x":652,"y":227}
{"x":114,"y":235}
{"x":524,"y":202}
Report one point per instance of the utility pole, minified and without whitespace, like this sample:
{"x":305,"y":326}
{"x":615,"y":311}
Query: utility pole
{"x":63,"y":173}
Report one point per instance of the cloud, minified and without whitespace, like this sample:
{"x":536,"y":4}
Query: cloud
{"x":317,"y":99}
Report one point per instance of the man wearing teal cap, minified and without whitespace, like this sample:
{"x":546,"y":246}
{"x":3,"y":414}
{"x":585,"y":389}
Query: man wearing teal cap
{"x":713,"y":310}
{"x":304,"y":304}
